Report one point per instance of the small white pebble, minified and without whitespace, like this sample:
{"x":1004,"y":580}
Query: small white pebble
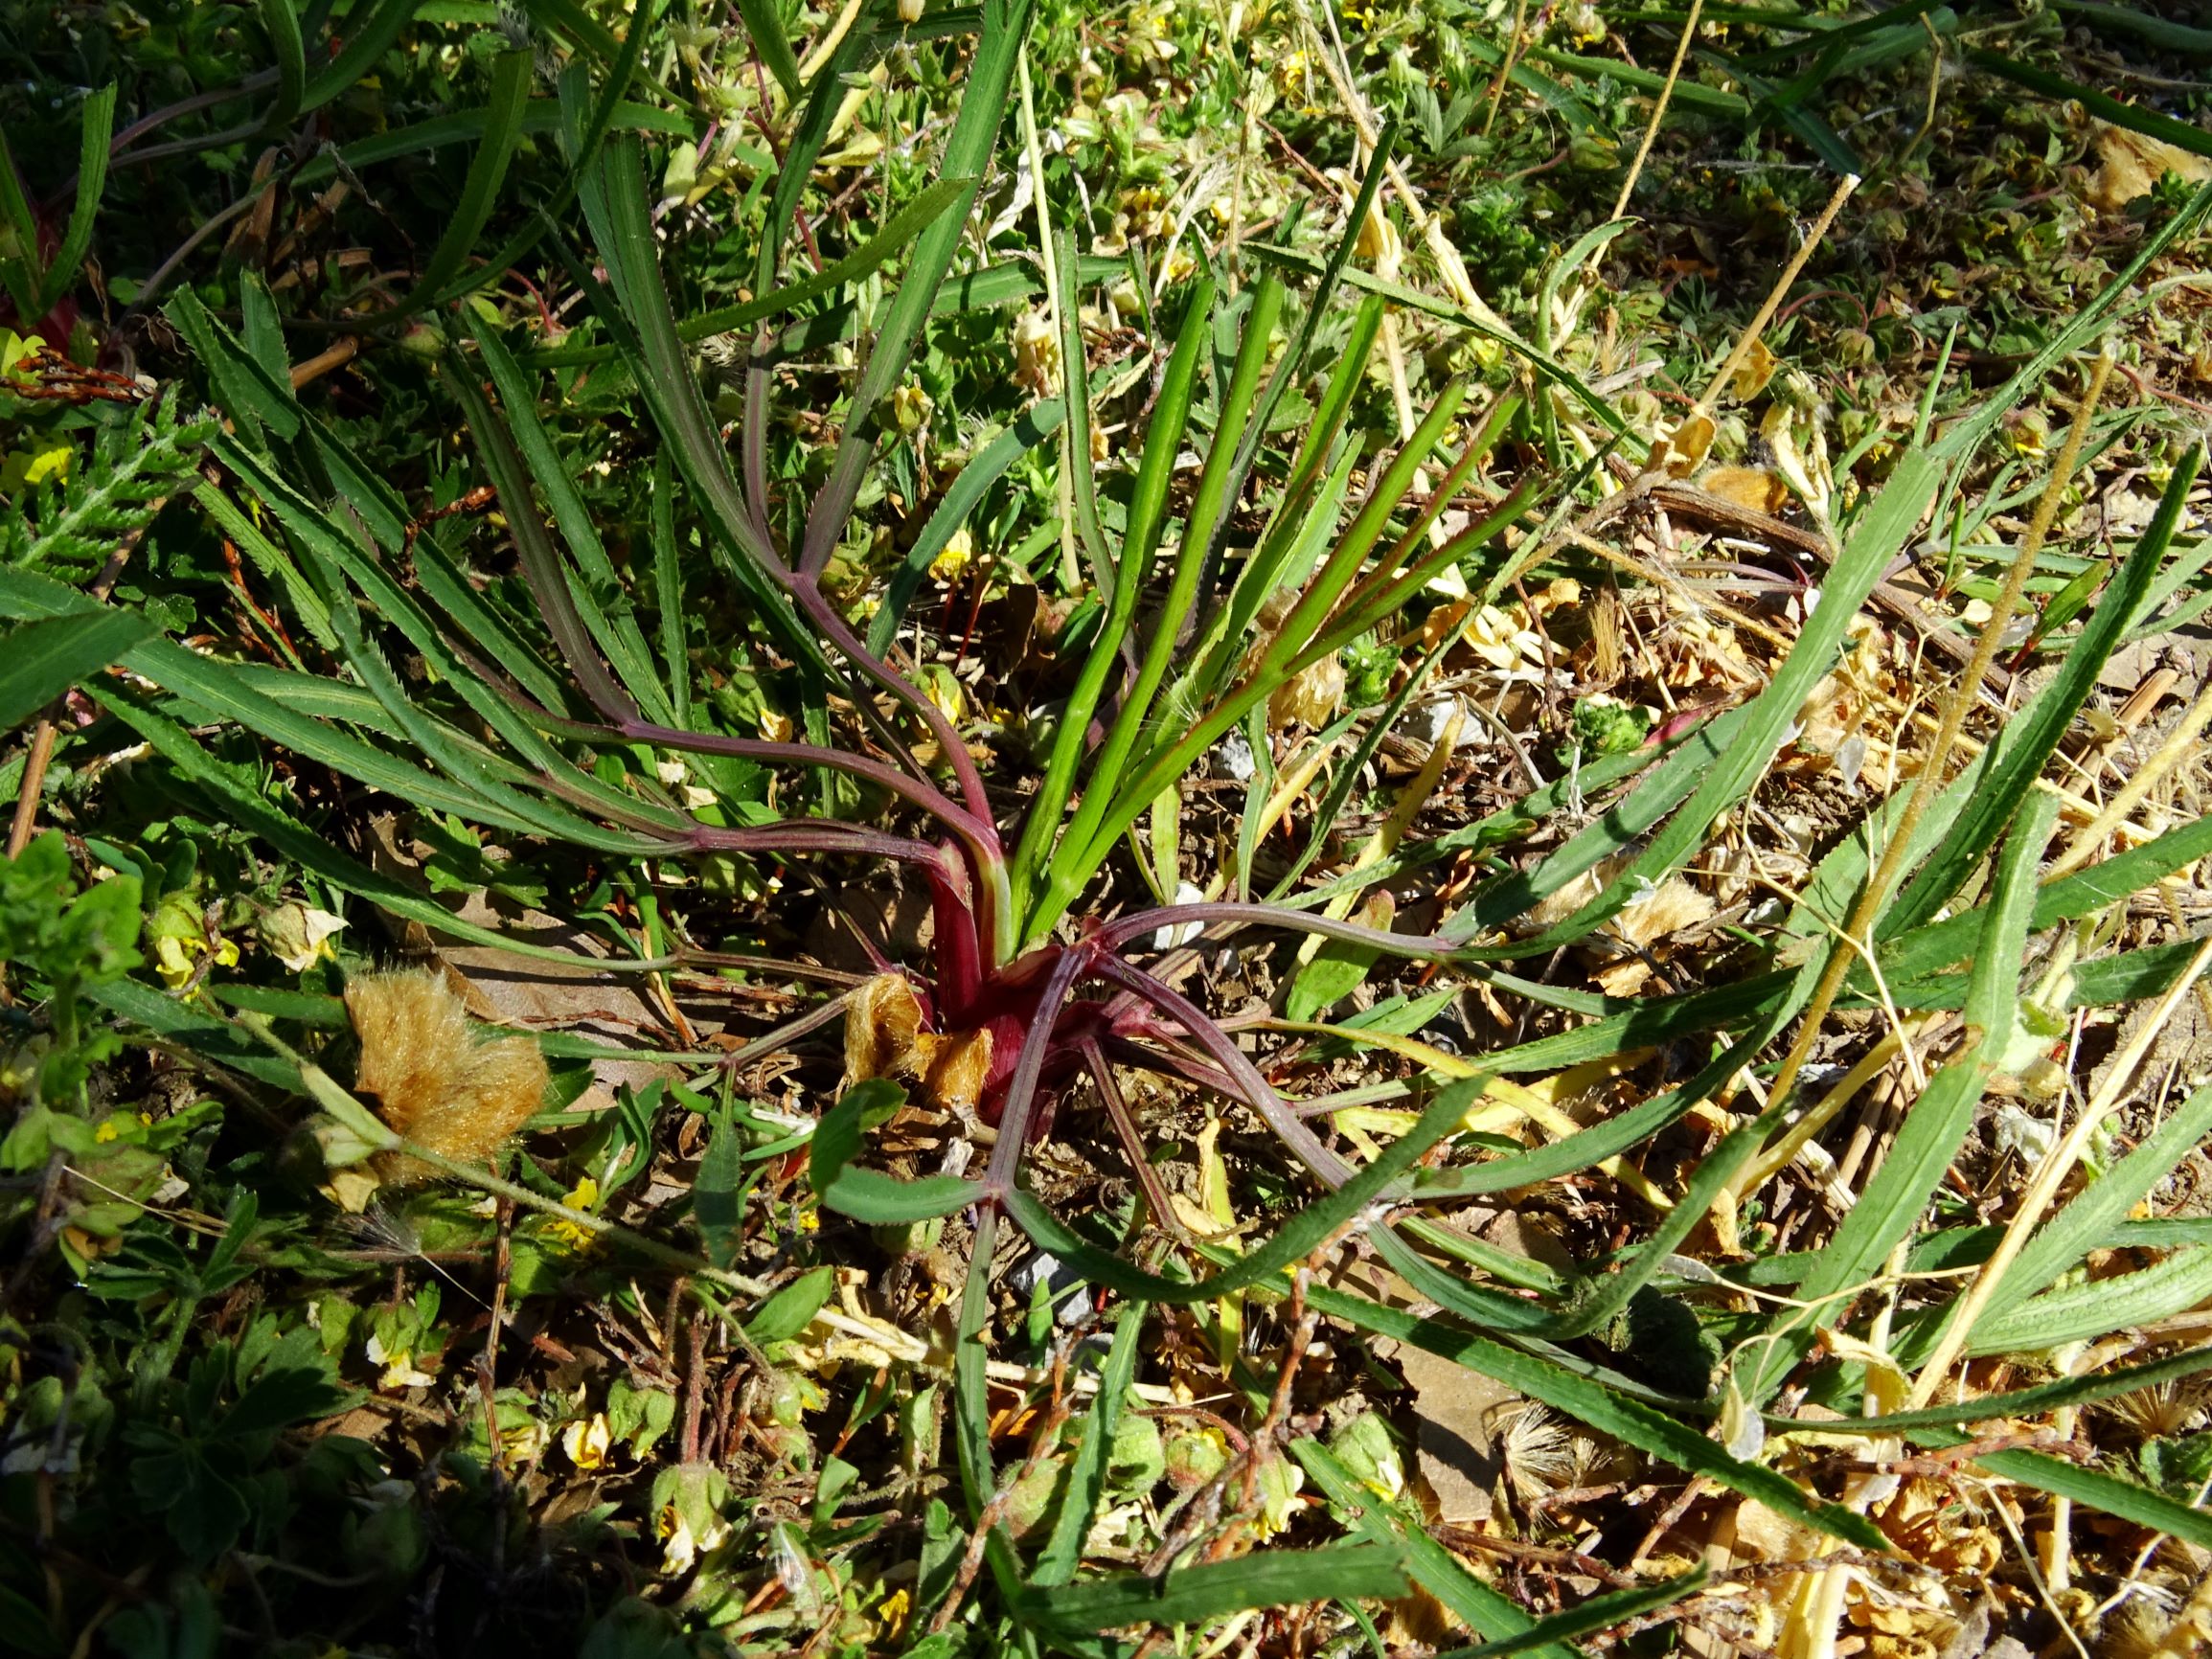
{"x":1181,"y":933}
{"x":1232,"y":757}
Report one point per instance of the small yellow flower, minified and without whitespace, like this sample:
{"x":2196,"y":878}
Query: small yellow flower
{"x":897,"y":1606}
{"x":911,"y":408}
{"x":586,"y":1442}
{"x":1036,"y":352}
{"x":584,"y":1196}
{"x":959,"y":550}
{"x":400,"y":1368}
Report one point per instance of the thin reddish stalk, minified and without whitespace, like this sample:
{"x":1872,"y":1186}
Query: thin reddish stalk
{"x":1119,"y":933}
{"x":1251,"y":1087}
{"x":1021,"y":1088}
{"x":1125,"y":1125}
{"x":811,"y":836}
{"x":916,"y":791}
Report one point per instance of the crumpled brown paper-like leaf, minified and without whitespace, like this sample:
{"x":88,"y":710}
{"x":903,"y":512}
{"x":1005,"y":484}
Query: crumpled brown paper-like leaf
{"x":2128,"y":164}
{"x":884,"y":1039}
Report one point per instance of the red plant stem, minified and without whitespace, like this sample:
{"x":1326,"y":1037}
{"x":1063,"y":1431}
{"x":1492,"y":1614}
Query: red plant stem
{"x":811,"y":836}
{"x":960,"y":964}
{"x":916,"y":791}
{"x":1021,"y":1088}
{"x":1125,"y":1125}
{"x":1116,"y":934}
{"x":1167,"y":1064}
{"x":1254,"y":1089}
{"x":806,"y":592}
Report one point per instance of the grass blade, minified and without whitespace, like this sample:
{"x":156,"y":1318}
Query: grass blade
{"x":983,"y":106}
{"x":1195,"y":1595}
{"x":1086,"y":1470}
{"x":40,"y":660}
{"x":1306,"y":1232}
{"x":1881,"y":531}
{"x":91,"y":182}
{"x":2107,"y":1495}
{"x":1602,"y":1408}
{"x":2089,"y":1217}
{"x":1598,"y":1613}
{"x":282,"y":24}
{"x":479,"y":191}
{"x":772,"y":44}
{"x":372,"y":26}
{"x":2086,"y":1312}
{"x":2026,"y":1403}
{"x":2029,"y":740}
{"x":1934,"y":1131}
{"x":1036,"y":423}
{"x":1475,"y":1604}
{"x":620,"y":637}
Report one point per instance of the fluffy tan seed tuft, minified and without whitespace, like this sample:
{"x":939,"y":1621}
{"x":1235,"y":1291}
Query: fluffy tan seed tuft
{"x":429,"y":1076}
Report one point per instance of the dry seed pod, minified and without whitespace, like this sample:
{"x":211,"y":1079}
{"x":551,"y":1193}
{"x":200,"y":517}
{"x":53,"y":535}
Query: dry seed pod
{"x":431,"y":1077}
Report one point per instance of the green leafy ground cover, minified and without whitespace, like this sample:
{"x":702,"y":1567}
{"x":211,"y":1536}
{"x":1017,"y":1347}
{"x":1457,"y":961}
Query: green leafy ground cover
{"x":1186,"y":751}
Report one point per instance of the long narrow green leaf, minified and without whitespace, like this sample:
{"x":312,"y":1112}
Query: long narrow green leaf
{"x":203,"y":1038}
{"x":370,"y":28}
{"x":643,"y":325}
{"x":222,"y":692}
{"x":1031,"y":428}
{"x":668,"y":590}
{"x":480,"y":192}
{"x":1934,"y":1131}
{"x":1131,"y":571}
{"x":2028,"y":741}
{"x":250,"y":396}
{"x":2107,"y":1495}
{"x":1606,"y":1410}
{"x":983,"y":105}
{"x":2088,"y":1312}
{"x":772,"y":44}
{"x":40,"y":660}
{"x":489,"y":632}
{"x":2026,"y":1403}
{"x":1668,"y":784}
{"x":2165,"y":128}
{"x":581,"y":135}
{"x":91,"y":183}
{"x":1599,"y":1613}
{"x":1963,"y":437}
{"x":2161,"y":32}
{"x":1477,"y":1605}
{"x":399,"y":607}
{"x":540,"y":117}
{"x":2104,"y":883}
{"x":1613,"y":1136}
{"x":367,"y":662}
{"x":2090,"y":1216}
{"x":282,"y":24}
{"x":1881,"y":530}
{"x":1195,"y":1595}
{"x":1086,"y":1470}
{"x":245,"y":805}
{"x":1306,"y":1231}
{"x":596,"y":581}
